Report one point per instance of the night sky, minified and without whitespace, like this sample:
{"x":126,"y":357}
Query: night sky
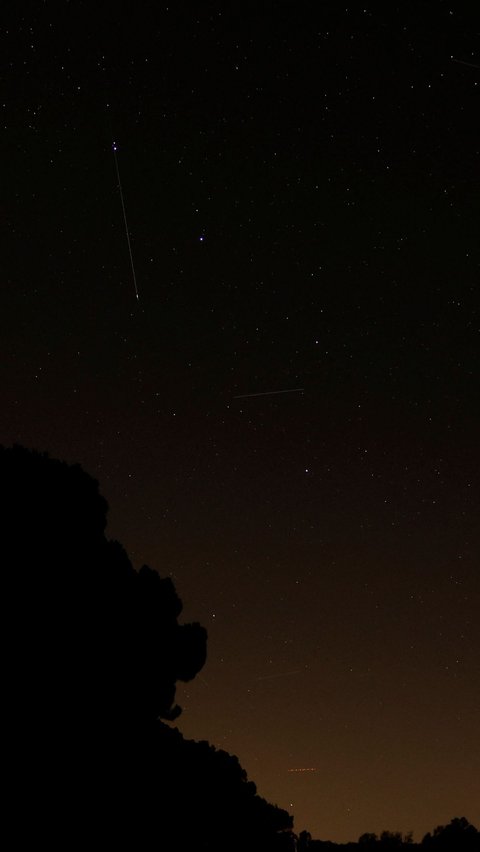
{"x":301,"y":186}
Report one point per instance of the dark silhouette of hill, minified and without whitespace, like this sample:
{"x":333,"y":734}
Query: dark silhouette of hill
{"x":93,"y":652}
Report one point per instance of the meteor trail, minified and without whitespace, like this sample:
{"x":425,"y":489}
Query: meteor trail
{"x":114,"y":149}
{"x":304,"y":769}
{"x":280,"y":674}
{"x":268,"y":393}
{"x":468,"y":64}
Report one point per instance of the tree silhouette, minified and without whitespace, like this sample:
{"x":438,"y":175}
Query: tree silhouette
{"x":368,"y":841}
{"x":108,"y":636}
{"x":303,"y":841}
{"x":391,"y":840}
{"x":94,"y":650}
{"x":459,"y":835}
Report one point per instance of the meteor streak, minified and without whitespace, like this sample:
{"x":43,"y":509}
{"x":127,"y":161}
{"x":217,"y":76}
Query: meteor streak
{"x":269,"y":393}
{"x":304,"y":769}
{"x":280,"y":674}
{"x":468,"y":64}
{"x":114,"y":149}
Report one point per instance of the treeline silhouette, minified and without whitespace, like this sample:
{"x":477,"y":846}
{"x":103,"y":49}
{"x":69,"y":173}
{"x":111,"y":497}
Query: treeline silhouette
{"x":93,"y":653}
{"x":458,"y":836}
